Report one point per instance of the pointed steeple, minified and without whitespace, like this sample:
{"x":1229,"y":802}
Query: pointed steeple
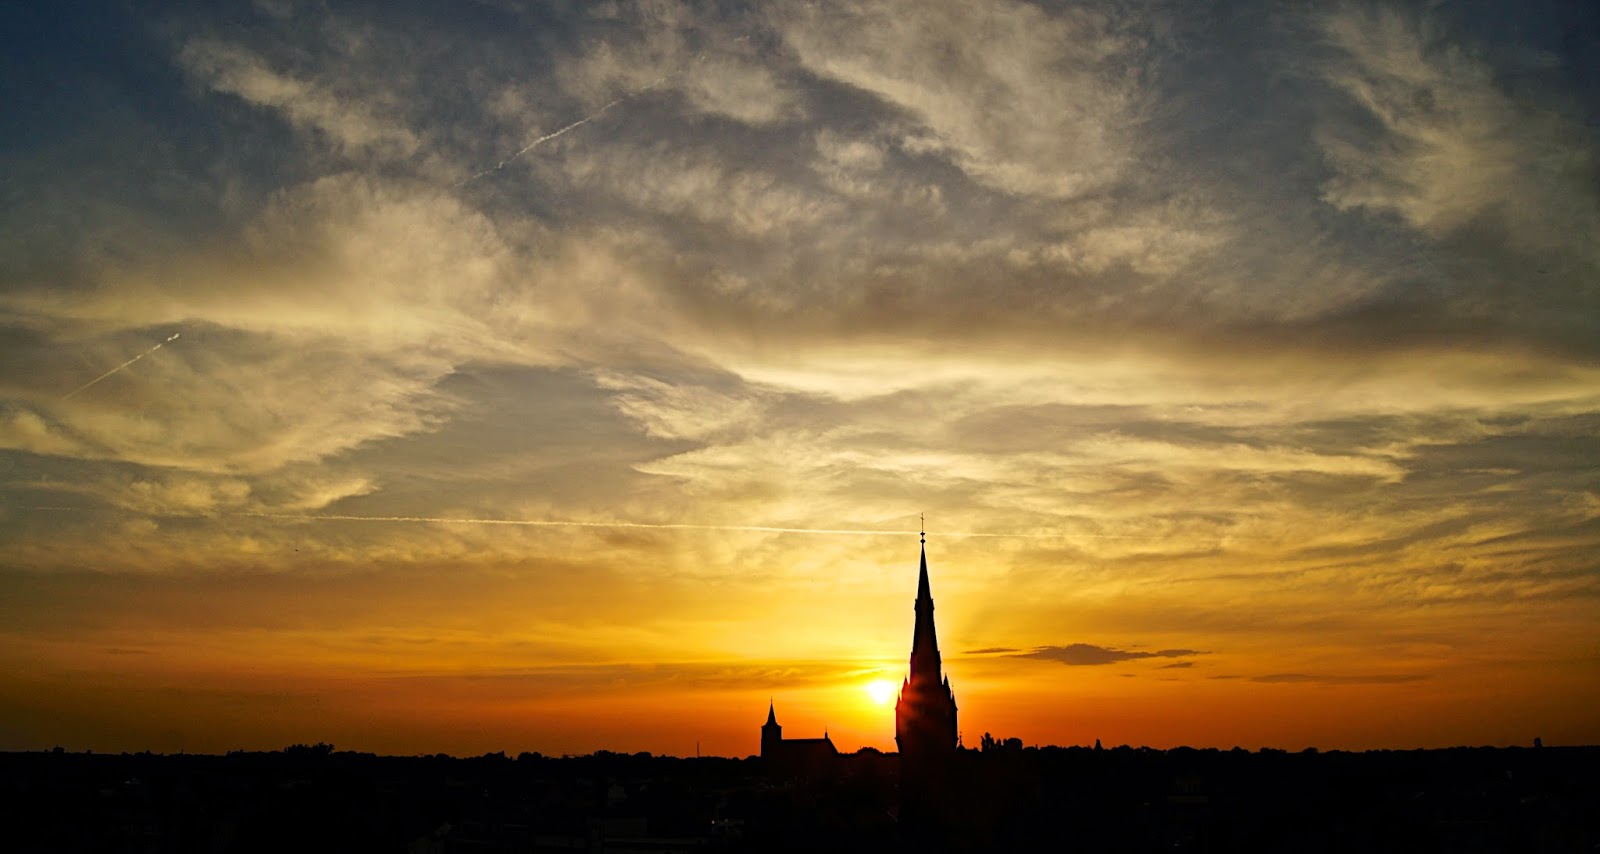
{"x":922,"y":578}
{"x":925,"y":660}
{"x":771,"y":733}
{"x":925,"y":720}
{"x":925,"y":715}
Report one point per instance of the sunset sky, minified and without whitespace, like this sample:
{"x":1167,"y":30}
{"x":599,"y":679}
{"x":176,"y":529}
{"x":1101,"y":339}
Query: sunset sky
{"x":568,"y":376}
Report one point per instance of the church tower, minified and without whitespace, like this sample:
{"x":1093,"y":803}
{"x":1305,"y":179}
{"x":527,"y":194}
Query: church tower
{"x":925,"y":716}
{"x":771,"y":734}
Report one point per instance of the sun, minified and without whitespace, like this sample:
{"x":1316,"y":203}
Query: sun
{"x":880,"y":690}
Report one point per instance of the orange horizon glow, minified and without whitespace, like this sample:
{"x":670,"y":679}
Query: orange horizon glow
{"x":466,"y":690}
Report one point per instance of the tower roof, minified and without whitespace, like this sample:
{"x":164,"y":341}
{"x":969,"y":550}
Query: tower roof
{"x":925,"y":661}
{"x":922,"y":577}
{"x":772,"y":716}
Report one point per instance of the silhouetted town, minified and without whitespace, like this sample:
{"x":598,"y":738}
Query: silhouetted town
{"x":802,"y":794}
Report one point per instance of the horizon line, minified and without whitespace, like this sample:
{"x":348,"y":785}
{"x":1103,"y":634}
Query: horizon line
{"x":335,"y":750}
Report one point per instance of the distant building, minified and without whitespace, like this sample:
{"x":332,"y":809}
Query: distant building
{"x":796,"y":757}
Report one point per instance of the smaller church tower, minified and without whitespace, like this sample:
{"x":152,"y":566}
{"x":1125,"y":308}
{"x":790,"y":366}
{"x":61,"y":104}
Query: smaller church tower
{"x":771,"y":734}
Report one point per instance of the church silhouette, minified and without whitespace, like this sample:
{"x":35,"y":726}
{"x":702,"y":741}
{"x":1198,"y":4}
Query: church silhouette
{"x":795,"y":757}
{"x":925,"y":718}
{"x":924,"y":721}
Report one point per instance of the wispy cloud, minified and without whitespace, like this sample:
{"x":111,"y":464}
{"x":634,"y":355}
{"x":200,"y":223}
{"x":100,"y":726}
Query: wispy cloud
{"x":990,"y":87}
{"x":1447,"y":146}
{"x":345,"y":121}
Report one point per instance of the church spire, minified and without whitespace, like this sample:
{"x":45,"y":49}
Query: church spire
{"x":771,"y":733}
{"x":922,"y":578}
{"x":925,"y":716}
{"x":925,"y":659}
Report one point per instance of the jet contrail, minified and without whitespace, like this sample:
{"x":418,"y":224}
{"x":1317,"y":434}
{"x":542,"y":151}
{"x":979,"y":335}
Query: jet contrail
{"x":543,"y":139}
{"x":577,"y":124}
{"x":674,"y":526}
{"x":555,"y":133}
{"x":173,"y":338}
{"x":659,"y":526}
{"x":587,"y":119}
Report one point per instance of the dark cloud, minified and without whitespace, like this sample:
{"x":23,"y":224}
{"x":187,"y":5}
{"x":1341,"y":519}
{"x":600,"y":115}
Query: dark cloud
{"x":1089,"y":654}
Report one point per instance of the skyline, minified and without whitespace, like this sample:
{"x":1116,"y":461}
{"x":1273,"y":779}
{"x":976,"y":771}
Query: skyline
{"x":563,"y":377}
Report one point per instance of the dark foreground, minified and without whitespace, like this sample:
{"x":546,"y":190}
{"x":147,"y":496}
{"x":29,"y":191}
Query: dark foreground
{"x":1122,"y":799}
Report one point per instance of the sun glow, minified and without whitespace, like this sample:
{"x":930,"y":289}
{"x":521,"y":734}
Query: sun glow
{"x":880,"y":690}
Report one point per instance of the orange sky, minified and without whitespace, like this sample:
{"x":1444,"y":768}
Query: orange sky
{"x":467,"y":659}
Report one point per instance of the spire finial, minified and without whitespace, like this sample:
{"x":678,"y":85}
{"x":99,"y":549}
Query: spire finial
{"x":923,"y":534}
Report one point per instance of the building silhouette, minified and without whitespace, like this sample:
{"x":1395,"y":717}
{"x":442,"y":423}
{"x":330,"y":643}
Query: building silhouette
{"x":924,"y":728}
{"x":795,"y":757}
{"x":925,"y":718}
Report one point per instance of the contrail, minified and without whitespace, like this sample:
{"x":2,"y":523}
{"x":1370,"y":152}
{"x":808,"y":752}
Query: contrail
{"x":657,"y":526}
{"x":675,"y":526}
{"x":555,"y":133}
{"x":121,"y":366}
{"x":587,"y":119}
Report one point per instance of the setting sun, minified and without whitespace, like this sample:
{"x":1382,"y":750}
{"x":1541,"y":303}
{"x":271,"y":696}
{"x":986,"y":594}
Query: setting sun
{"x":880,"y":690}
